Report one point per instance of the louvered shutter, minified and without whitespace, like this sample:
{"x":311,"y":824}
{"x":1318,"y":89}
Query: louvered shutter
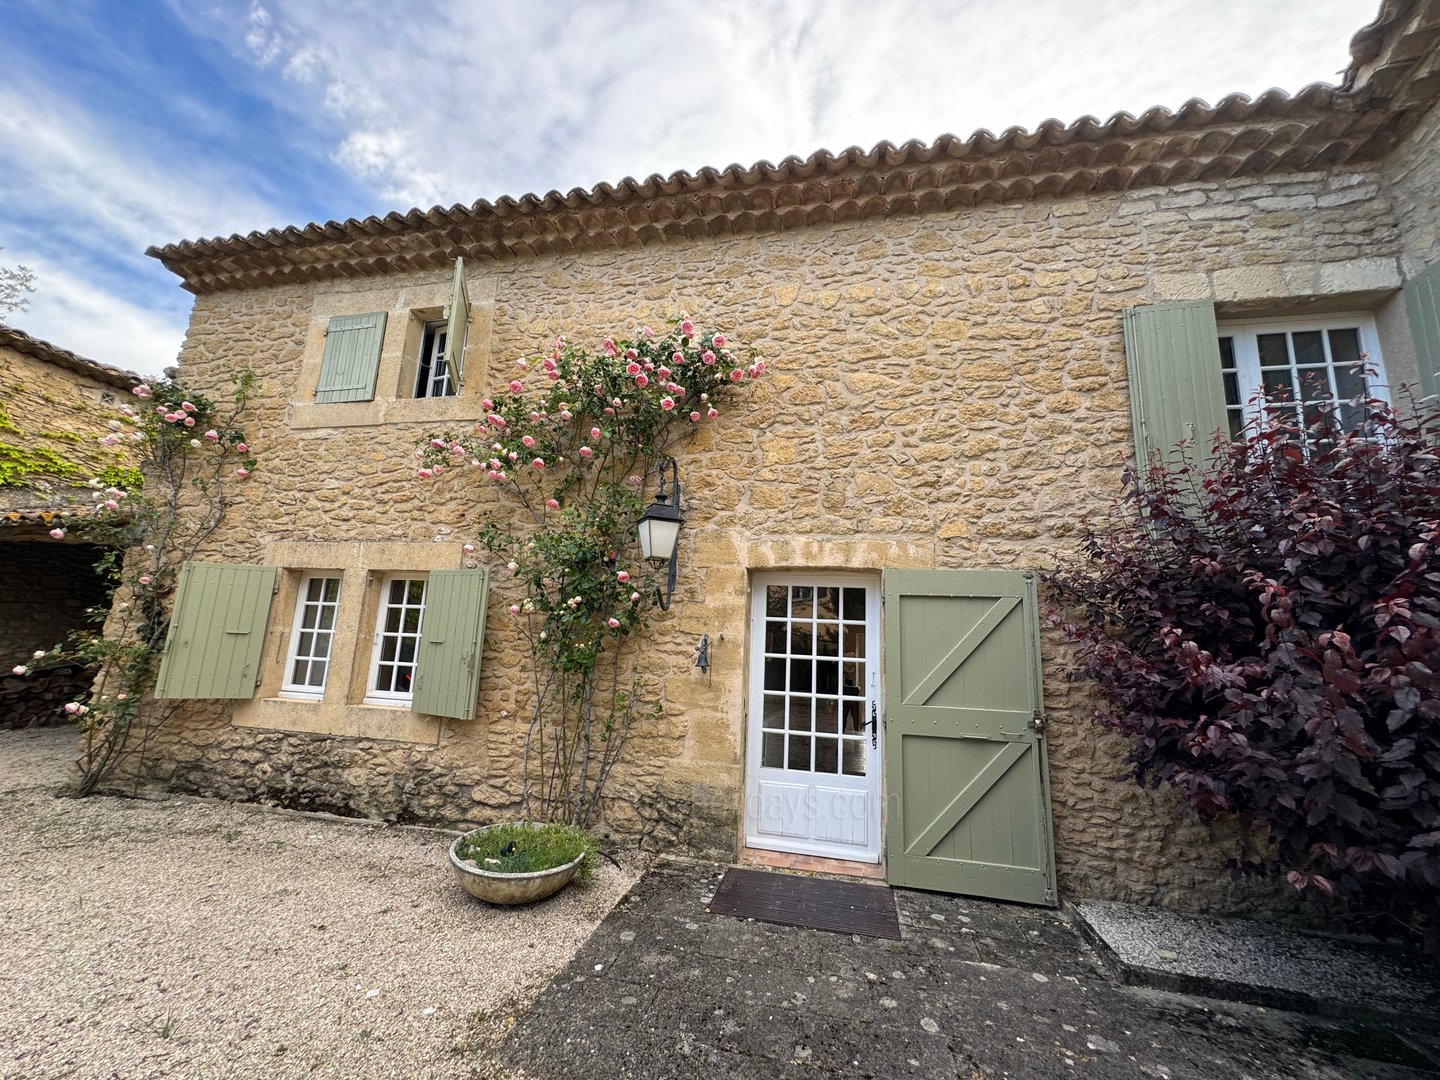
{"x":447,"y":676}
{"x":457,"y":325}
{"x":217,"y":631}
{"x":352,"y":357}
{"x":1422,"y":303}
{"x":1176,"y":391}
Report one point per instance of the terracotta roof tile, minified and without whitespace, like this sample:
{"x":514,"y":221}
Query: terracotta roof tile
{"x":23,"y":343}
{"x":1392,"y":80}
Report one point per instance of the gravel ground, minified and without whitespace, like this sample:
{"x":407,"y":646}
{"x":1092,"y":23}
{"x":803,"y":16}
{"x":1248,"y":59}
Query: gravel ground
{"x":190,"y":938}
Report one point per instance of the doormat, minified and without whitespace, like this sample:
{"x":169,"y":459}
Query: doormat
{"x":843,"y":907}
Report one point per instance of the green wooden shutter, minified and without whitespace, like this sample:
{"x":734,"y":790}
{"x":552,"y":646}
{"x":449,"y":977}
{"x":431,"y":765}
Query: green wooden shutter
{"x":352,"y":357}
{"x":1422,"y":302}
{"x":967,"y":787}
{"x":447,"y":676}
{"x":1176,"y":390}
{"x":216,"y":631}
{"x":457,"y":317}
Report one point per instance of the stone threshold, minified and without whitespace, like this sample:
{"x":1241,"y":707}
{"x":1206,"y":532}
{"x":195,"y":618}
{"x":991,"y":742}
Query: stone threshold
{"x":810,"y":864}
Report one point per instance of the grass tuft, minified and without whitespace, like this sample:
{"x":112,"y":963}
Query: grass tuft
{"x":529,"y":848}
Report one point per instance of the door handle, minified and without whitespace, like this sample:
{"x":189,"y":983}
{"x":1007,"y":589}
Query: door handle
{"x":874,"y":727}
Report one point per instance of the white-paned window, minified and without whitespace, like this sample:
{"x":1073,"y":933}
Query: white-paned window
{"x":397,"y":640}
{"x":311,"y":636}
{"x":432,"y":377}
{"x":1297,"y":370}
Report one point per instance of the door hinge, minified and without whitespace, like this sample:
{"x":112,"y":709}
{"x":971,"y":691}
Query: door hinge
{"x":1037,"y":722}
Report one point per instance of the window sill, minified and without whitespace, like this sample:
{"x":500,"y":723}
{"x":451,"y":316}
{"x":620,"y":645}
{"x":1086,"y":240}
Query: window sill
{"x":389,"y":723}
{"x":309,"y":414}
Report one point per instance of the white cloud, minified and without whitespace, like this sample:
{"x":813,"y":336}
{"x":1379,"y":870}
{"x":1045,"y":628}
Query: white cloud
{"x":450,"y":100}
{"x":72,"y":311}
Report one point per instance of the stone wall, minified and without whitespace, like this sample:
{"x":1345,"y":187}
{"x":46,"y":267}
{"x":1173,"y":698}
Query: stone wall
{"x":948,"y":391}
{"x":51,"y":421}
{"x":1413,"y":171}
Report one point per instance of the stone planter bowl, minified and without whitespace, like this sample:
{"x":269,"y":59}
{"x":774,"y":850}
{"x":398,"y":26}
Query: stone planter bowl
{"x":497,"y":888}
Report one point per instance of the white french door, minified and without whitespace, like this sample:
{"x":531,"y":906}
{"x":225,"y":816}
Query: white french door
{"x":812,"y":777}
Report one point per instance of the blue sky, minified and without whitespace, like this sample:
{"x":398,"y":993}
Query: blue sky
{"x":125,"y":124}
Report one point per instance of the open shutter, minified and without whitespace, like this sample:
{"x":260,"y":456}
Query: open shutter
{"x":447,"y":675}
{"x":457,"y":325}
{"x":216,"y":631}
{"x":352,"y":357}
{"x":1176,"y":389}
{"x":967,"y":788}
{"x":1422,"y":302}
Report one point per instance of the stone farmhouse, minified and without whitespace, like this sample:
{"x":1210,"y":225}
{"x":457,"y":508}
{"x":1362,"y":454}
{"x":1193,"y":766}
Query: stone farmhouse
{"x":54,"y":408}
{"x":966,"y":339}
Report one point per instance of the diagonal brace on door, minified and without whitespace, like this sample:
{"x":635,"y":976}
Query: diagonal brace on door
{"x":970,"y":795}
{"x":926,"y":687}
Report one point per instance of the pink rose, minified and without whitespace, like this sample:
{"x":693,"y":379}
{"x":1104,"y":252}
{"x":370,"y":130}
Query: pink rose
{"x":646,"y":331}
{"x":552,"y":504}
{"x":707,"y":357}
{"x":527,"y":440}
{"x":242,"y":473}
{"x":713,"y":412}
{"x":694,"y":418}
{"x":609,"y":347}
{"x":566,"y":414}
{"x":634,"y":596}
{"x":438,"y":444}
{"x":687,"y":327}
{"x":495,"y":421}
{"x":677,"y":358}
{"x":213,"y":436}
{"x":718,"y":341}
{"x":19,"y":669}
{"x":424,"y":474}
{"x":514,"y":609}
{"x":595,"y":433}
{"x":632,"y":368}
{"x":469,"y":549}
{"x":144,"y":579}
{"x":516,"y":386}
{"x":642,"y":380}
{"x":614,"y":624}
{"x":72,"y":707}
{"x":664,"y":373}
{"x":538,"y":463}
{"x":585,"y":451}
{"x":667,"y":403}
{"x":189,"y":421}
{"x":736,"y":375}
{"x":141,"y":391}
{"x":57,"y":534}
{"x":609,"y":411}
{"x":241,"y":448}
{"x":187,"y":406}
{"x":623,"y":576}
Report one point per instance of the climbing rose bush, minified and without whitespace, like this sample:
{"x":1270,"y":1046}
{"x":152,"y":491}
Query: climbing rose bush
{"x":1266,"y":632}
{"x":191,"y":451}
{"x":573,"y":444}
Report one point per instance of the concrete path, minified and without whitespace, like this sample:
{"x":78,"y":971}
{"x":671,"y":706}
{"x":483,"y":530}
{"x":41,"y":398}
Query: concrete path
{"x":974,"y":990}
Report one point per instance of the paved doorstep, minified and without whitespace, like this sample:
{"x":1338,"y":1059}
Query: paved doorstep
{"x":973,"y":990}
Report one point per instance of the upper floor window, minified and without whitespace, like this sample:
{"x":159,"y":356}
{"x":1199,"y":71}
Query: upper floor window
{"x":432,"y":377}
{"x":311,"y":637}
{"x":1298,"y":371}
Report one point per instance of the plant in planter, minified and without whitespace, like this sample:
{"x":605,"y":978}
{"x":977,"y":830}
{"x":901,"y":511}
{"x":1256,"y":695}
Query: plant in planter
{"x":571,"y":444}
{"x":522,"y":862}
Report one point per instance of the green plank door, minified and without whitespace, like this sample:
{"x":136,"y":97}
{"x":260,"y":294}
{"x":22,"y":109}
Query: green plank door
{"x":216,"y":631}
{"x":447,"y":672}
{"x":968,"y":789}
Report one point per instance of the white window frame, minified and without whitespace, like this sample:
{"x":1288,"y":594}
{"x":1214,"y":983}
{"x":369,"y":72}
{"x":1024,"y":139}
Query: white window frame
{"x":375,"y":696}
{"x":432,"y":373}
{"x":1244,"y":335}
{"x":310,"y":692}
